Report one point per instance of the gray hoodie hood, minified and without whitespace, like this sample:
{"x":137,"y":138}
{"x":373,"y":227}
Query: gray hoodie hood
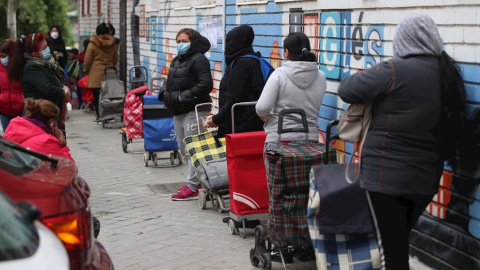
{"x":417,"y":34}
{"x":302,"y":74}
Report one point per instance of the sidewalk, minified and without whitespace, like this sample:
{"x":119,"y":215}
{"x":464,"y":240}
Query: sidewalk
{"x":142,"y":229}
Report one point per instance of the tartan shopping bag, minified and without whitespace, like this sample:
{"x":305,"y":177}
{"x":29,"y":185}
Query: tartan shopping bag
{"x":288,"y":183}
{"x":339,"y":221}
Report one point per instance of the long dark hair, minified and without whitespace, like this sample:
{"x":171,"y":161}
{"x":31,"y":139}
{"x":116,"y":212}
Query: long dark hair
{"x":298,"y":46}
{"x":453,"y":110}
{"x":17,"y":60}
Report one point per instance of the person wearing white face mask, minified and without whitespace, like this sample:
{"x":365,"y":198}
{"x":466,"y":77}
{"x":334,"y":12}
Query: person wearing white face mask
{"x":11,"y":94}
{"x":189,"y":83}
{"x":57,"y":46}
{"x":41,"y":77}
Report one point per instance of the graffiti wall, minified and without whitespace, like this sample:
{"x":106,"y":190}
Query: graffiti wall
{"x":345,"y":36}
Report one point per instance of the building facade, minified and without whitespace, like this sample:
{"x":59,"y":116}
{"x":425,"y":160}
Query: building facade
{"x":346,"y":35}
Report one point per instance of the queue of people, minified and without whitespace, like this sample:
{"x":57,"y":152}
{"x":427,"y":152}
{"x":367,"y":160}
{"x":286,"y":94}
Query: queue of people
{"x":402,"y":160}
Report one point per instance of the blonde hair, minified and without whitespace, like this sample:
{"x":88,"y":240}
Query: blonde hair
{"x":41,"y":109}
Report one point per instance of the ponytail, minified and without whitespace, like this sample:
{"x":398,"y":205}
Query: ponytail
{"x":298,"y":46}
{"x":17,"y":60}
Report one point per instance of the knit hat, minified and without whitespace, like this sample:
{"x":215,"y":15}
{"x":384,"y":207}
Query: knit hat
{"x":417,"y":34}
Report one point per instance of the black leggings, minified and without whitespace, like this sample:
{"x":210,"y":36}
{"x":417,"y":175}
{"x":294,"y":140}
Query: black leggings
{"x":396,"y":216}
{"x":96,"y":99}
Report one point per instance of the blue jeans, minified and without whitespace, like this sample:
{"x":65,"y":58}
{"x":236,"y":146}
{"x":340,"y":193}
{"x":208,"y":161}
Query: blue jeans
{"x":5,"y":121}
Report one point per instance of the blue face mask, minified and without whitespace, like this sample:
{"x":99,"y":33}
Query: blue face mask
{"x":46,"y":53}
{"x":182,"y":48}
{"x":5,"y":61}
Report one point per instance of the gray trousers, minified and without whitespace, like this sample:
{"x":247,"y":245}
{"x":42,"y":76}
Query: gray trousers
{"x":186,"y":125}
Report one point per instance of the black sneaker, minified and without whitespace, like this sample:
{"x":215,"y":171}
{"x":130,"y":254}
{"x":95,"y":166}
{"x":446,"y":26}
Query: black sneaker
{"x":304,"y":254}
{"x":287,"y":256}
{"x":97,"y":120}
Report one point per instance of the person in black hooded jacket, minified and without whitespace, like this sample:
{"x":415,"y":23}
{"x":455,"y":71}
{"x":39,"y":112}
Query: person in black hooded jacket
{"x":242,"y":82}
{"x":57,"y":46}
{"x":189,"y":83}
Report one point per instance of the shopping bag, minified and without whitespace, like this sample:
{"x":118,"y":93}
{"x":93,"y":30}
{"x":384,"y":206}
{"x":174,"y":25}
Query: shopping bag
{"x":213,"y":175}
{"x":339,"y":221}
{"x":205,"y":147}
{"x":73,"y":70}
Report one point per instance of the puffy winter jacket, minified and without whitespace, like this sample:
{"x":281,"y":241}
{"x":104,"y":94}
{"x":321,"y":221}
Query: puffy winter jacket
{"x":29,"y":135}
{"x":11,"y":95}
{"x":190,"y":77}
{"x":100,"y":53}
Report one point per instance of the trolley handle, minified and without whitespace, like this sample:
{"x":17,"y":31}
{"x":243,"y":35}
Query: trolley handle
{"x":329,"y":138}
{"x":282,"y":130}
{"x":248,"y":103}
{"x":197,"y":110}
{"x":140,"y":68}
{"x":109,"y":68}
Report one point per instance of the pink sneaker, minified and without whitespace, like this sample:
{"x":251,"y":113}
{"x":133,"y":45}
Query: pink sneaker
{"x":185,"y":195}
{"x":199,"y":187}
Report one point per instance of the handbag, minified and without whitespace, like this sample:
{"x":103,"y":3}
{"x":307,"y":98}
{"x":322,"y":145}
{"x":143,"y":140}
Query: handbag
{"x":353,"y":127}
{"x":339,"y":221}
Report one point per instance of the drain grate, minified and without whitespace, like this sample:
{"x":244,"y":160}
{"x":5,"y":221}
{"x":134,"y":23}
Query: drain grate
{"x":169,"y":188}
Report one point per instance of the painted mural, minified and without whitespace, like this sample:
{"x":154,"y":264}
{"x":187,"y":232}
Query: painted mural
{"x":345,"y":36}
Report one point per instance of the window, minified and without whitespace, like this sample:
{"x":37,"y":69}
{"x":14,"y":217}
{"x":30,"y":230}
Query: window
{"x":99,"y":7}
{"x":251,"y":2}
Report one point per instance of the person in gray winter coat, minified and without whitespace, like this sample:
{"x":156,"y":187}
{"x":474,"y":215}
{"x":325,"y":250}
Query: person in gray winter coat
{"x":418,"y":99}
{"x":189,"y":83}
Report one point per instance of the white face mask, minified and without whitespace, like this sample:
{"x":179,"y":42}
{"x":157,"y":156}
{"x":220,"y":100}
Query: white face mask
{"x":54,"y":35}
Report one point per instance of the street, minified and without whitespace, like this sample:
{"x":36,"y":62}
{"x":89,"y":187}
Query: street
{"x":142,"y":229}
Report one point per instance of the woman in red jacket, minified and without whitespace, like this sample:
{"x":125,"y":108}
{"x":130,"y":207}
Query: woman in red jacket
{"x":38,"y":130}
{"x":11,"y":94}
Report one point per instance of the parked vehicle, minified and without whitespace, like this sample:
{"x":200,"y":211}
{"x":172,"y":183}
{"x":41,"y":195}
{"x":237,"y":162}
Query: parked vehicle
{"x":25,"y":242}
{"x":52,"y":184}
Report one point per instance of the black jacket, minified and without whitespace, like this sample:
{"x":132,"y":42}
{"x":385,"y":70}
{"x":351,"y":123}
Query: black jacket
{"x":242,"y":82}
{"x":402,"y":152}
{"x":40,"y":82}
{"x":57,"y":47}
{"x":190,"y":77}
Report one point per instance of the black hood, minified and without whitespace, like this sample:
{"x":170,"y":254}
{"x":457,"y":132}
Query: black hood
{"x":199,"y":44}
{"x":238,"y":42}
{"x":59,"y":40}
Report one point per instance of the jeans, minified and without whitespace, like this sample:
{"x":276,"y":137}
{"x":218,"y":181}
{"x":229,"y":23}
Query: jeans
{"x":5,"y":121}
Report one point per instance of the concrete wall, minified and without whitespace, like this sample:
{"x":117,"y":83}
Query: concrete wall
{"x":347,"y":35}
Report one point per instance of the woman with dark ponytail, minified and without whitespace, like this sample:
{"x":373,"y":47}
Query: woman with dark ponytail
{"x":40,"y":75}
{"x":297,"y":84}
{"x":418,"y":100}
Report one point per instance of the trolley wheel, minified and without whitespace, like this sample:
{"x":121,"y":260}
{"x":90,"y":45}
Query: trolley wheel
{"x":124,"y":141}
{"x":180,"y":161}
{"x":220,"y":203}
{"x":155,"y":159}
{"x":232,"y":226}
{"x":215,"y":203}
{"x":266,"y":261}
{"x":202,"y":200}
{"x":145,"y":159}
{"x":253,"y":259}
{"x":172,"y":158}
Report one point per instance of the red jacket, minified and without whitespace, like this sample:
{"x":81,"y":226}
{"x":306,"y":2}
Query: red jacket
{"x":11,"y":95}
{"x":33,"y":137}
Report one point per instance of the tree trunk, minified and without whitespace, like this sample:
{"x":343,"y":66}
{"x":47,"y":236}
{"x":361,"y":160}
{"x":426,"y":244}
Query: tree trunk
{"x":12,"y":19}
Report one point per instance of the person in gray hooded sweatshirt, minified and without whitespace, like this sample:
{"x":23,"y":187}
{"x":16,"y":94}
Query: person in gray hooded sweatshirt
{"x":418,"y":100}
{"x":297,"y":84}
